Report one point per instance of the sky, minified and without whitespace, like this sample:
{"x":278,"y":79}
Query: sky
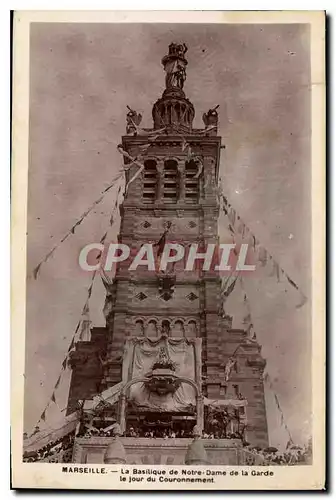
{"x":82,"y":77}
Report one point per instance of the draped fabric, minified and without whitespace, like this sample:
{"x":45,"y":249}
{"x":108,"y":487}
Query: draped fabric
{"x":182,"y":354}
{"x":110,"y":396}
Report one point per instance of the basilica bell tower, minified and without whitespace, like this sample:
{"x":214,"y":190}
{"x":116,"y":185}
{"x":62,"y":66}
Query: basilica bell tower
{"x":174,"y":199}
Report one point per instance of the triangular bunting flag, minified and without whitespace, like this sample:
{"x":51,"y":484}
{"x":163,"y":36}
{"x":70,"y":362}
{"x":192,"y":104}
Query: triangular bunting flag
{"x":71,"y":345}
{"x":58,"y":381}
{"x":240,"y":227}
{"x":85,"y":308}
{"x":292,"y":282}
{"x":107,"y":281}
{"x":50,"y":254}
{"x":103,"y":238}
{"x":302,"y":303}
{"x":230,"y":288}
{"x":262,"y":256}
{"x":36,"y":270}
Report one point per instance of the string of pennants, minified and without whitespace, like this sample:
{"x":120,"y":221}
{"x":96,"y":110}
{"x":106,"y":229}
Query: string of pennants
{"x":83,"y":326}
{"x":121,"y":173}
{"x":84,"y":323}
{"x":238,"y":227}
{"x":227,"y":373}
{"x":71,"y":231}
{"x":228,"y":286}
{"x":247,"y":320}
{"x":229,"y":365}
{"x":251,"y":334}
{"x":283,"y":423}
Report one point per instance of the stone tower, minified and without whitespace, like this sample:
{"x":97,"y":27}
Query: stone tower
{"x":174,"y":198}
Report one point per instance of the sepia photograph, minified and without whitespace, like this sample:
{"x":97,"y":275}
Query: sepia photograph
{"x":166,"y":195}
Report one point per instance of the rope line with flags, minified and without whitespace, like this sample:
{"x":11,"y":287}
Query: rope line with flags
{"x":82,"y":330}
{"x":247,"y":321}
{"x":77,"y":223}
{"x":238,"y":227}
{"x":185,"y":146}
{"x":267,"y":379}
{"x":66,"y":358}
{"x":148,"y":133}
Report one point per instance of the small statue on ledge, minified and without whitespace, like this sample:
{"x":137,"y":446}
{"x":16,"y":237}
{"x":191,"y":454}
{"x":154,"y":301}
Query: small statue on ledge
{"x":210,"y":118}
{"x":133,"y":120}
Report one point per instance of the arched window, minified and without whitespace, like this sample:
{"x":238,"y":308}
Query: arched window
{"x":191,"y":329}
{"x":166,"y":327}
{"x":149,"y":181}
{"x":139,"y":328}
{"x":151,"y":329}
{"x":170,"y":186}
{"x":178,"y":329}
{"x":191,"y":181}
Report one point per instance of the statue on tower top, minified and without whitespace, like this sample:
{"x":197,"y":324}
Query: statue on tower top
{"x":175,"y":65}
{"x":177,"y":49}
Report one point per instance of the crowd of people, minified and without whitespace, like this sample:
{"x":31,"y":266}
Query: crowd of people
{"x":293,"y":455}
{"x":90,"y":432}
{"x":56,"y":451}
{"x":178,"y":432}
{"x":158,"y":432}
{"x":61,"y":449}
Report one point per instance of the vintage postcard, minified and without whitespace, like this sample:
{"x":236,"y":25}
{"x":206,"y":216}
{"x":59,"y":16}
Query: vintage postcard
{"x":168,"y":250}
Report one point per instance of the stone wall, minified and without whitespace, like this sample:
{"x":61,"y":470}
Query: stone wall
{"x":147,"y":451}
